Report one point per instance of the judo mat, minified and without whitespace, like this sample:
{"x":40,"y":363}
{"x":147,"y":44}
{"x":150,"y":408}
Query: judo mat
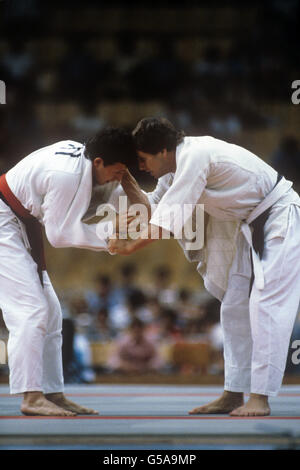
{"x":150,"y":417}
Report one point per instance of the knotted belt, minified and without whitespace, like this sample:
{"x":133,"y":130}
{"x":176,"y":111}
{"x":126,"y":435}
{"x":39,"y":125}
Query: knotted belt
{"x":257,"y":220}
{"x":32,"y":225}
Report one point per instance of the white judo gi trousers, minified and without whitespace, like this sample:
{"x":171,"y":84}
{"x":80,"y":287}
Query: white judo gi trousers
{"x":32,"y":314}
{"x":257,"y":330}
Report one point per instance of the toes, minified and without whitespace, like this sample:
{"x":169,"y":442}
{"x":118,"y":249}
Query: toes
{"x":243,"y":412}
{"x":196,"y":411}
{"x":70,"y":413}
{"x":62,"y":412}
{"x":235,"y":412}
{"x":88,"y":411}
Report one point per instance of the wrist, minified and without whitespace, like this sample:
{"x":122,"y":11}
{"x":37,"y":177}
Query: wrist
{"x":127,"y":176}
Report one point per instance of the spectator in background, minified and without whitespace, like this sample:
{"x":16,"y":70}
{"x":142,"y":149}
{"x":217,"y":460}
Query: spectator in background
{"x":158,"y":77}
{"x":155,"y":307}
{"x":161,"y":285}
{"x":68,"y":333}
{"x":82,"y":364}
{"x":127,"y":282}
{"x":168,"y":328}
{"x":22,"y":120}
{"x":126,"y":60}
{"x":135,"y":353}
{"x":225,"y":124}
{"x":101,"y":329}
{"x":87,"y":122}
{"x":80,"y":369}
{"x":104,"y":295}
{"x":17,"y":63}
{"x":194,"y":331}
{"x":185,"y":306}
{"x":80,"y":74}
{"x":26,"y":16}
{"x":214,"y":334}
{"x":209,"y":71}
{"x":117,"y":304}
{"x":137,"y":306}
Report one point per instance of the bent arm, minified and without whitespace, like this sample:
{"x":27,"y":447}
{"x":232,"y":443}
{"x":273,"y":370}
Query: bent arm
{"x":62,"y":214}
{"x":151,"y":232}
{"x":134,"y":192}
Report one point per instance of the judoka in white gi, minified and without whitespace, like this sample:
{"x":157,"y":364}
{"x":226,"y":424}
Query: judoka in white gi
{"x":57,"y":186}
{"x":236,"y":187}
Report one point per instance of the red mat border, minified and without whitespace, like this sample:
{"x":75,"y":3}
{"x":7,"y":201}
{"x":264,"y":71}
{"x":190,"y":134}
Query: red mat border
{"x":151,"y":417}
{"x":149,"y":394}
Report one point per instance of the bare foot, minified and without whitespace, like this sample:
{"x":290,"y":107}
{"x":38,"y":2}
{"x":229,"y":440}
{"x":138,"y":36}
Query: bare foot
{"x":227,"y":402}
{"x":60,"y":400}
{"x":36,"y":404}
{"x":257,"y":405}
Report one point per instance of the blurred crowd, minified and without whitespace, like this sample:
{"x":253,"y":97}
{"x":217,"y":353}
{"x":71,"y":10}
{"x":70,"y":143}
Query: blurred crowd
{"x":211,"y":81}
{"x":121,"y":327}
{"x":140,"y":326}
{"x":204,"y":85}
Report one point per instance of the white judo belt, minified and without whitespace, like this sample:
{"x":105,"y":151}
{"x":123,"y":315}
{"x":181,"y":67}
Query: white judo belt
{"x":278,"y":191}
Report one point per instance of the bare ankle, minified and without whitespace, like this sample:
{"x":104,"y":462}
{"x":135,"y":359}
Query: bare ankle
{"x":259,"y":397}
{"x":54,"y":395}
{"x":31,"y":397}
{"x":233,"y":395}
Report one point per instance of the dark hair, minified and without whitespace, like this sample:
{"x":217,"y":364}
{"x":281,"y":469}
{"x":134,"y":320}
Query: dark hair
{"x":136,"y":298}
{"x":103,"y":279}
{"x":162,"y":271}
{"x":152,"y":135}
{"x":113,"y":145}
{"x":136,"y":323}
{"x":128,"y":269}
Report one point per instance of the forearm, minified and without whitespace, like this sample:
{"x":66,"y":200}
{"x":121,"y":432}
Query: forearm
{"x":134,"y":192}
{"x":79,"y":235}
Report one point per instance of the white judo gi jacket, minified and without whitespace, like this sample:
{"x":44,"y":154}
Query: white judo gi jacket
{"x":55,"y":185}
{"x":233,"y":184}
{"x":235,"y":187}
